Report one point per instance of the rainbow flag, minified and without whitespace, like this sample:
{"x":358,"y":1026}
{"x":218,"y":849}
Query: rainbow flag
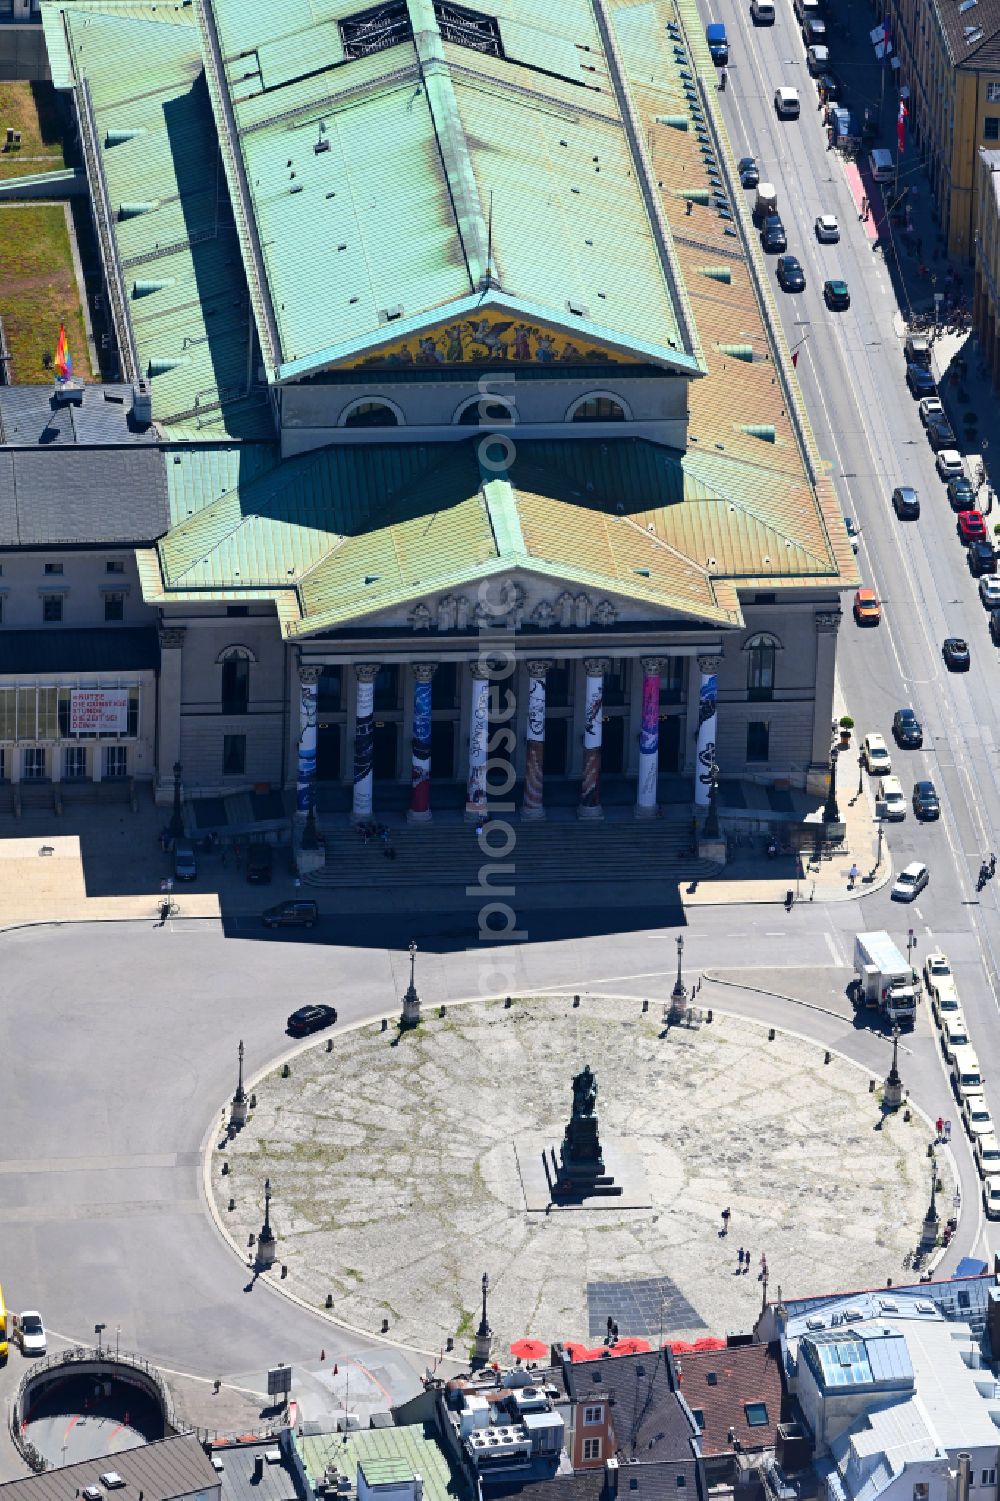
{"x":63,"y":360}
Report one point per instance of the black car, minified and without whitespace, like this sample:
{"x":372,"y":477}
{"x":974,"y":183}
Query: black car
{"x":260,"y":864}
{"x":940,"y":433}
{"x":292,"y":914}
{"x":961,"y":494}
{"x":791,"y":277}
{"x":836,"y":294}
{"x":920,"y":380}
{"x":814,"y":32}
{"x":311,"y":1019}
{"x":956,"y":654}
{"x":772,"y":234}
{"x":982,"y":558}
{"x":829,"y":86}
{"x":906,"y":502}
{"x":749,"y":172}
{"x":995,"y":627}
{"x":925,"y":800}
{"x":907,"y":729}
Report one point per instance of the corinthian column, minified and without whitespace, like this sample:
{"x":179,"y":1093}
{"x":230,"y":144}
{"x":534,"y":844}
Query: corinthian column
{"x":365,"y":674}
{"x":590,"y":787}
{"x":649,"y":739}
{"x":708,"y":721}
{"x":420,"y":777}
{"x":533,"y":805}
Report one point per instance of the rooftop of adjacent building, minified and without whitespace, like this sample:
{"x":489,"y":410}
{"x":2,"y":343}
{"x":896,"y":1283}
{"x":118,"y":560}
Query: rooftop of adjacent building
{"x":650,"y":1420}
{"x":734,"y":1395}
{"x":258,"y":1471}
{"x":413,"y":1446}
{"x":972,"y":32}
{"x":159,"y":1471}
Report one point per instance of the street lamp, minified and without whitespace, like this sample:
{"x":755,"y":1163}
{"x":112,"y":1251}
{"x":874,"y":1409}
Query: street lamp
{"x":266,"y":1247}
{"x":411,"y":1001}
{"x":99,"y":1330}
{"x":892,"y":1097}
{"x":484,"y":1334}
{"x":678,"y":996}
{"x":176,"y":822}
{"x":711,"y":829}
{"x":861,"y":773}
{"x":881,"y":836}
{"x":831,"y":813}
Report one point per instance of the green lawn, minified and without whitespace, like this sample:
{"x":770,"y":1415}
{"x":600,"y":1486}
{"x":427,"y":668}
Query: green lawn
{"x":38,"y":291}
{"x":30,"y":108}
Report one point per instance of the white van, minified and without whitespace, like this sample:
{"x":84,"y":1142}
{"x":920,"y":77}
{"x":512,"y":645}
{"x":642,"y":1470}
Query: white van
{"x":762,"y":12}
{"x":891,"y":794}
{"x":991,"y":1198}
{"x":966,"y":1075}
{"x":987,"y":1150}
{"x":954,"y":1034}
{"x":880,"y":164}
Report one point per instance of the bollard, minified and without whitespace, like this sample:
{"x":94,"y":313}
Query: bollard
{"x":871,"y":1086}
{"x":827,"y":1056}
{"x":286,"y":1071}
{"x":907,"y":1116}
{"x":507,"y":1003}
{"x":232,"y":1204}
{"x":576,"y":1000}
{"x":225,"y":1168}
{"x":251,"y":1239}
{"x":450,"y":1343}
{"x":329,"y":1044}
{"x":253,"y":1102}
{"x":385,"y":1326}
{"x":645,"y":1006}
{"x":770,"y":1034}
{"x":709,"y":1017}
{"x":385,"y":1024}
{"x":284,"y":1271}
{"x":329,"y":1300}
{"x":442,"y":1010}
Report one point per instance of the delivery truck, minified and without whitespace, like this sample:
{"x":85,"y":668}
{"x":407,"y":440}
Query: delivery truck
{"x":884,"y":979}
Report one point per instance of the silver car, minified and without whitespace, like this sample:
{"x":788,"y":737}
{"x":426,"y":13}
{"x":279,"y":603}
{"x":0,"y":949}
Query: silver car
{"x":910,"y":882}
{"x":827,"y":229}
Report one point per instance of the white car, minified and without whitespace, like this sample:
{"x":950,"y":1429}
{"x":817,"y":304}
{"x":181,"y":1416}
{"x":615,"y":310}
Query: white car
{"x":954,"y":1034}
{"x":991,"y":1198}
{"x":928,"y":407}
{"x":31,"y":1332}
{"x":989,"y":591}
{"x":910,"y":882}
{"x":891,"y":796}
{"x":945,"y":1003}
{"x":876,"y":754}
{"x":786,"y":103}
{"x":987,"y":1152}
{"x":827,"y":229}
{"x":975,"y":1113}
{"x":949,"y":463}
{"x":936,"y":969}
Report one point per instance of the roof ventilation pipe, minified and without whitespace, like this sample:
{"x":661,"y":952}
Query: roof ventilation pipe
{"x":162,"y":367}
{"x":143,"y":288}
{"x":964,"y":1475}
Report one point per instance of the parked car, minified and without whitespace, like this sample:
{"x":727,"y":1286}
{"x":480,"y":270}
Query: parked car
{"x":185,"y":864}
{"x":991,"y":1198}
{"x":989,"y":591}
{"x":937,"y":970}
{"x":827,"y":229}
{"x":814,"y":31}
{"x":921,"y":380}
{"x":954,"y":1034}
{"x":907,"y":729}
{"x":829,"y":86}
{"x":772,"y":234}
{"x":791,"y":277}
{"x":260,"y":864}
{"x":910,"y":882}
{"x":817,"y":60}
{"x":786,"y":103}
{"x":311,"y":1019}
{"x":995,"y":627}
{"x":917,"y":350}
{"x":876,"y":756}
{"x":925,"y":801}
{"x":946,"y":1002}
{"x":982,"y":558}
{"x":977,"y":1117}
{"x":987,"y":1154}
{"x":930,"y":406}
{"x":31,"y":1333}
{"x":956,"y":654}
{"x":961,"y":494}
{"x":867,"y":608}
{"x":971,"y":525}
{"x":749,"y":172}
{"x":940,"y":433}
{"x":906,"y":502}
{"x":836,"y":295}
{"x":948,"y":463}
{"x":291,"y":914}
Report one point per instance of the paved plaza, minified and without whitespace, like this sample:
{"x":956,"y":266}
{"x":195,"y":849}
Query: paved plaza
{"x":396,"y":1183}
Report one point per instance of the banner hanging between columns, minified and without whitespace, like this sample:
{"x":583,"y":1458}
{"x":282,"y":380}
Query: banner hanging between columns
{"x":364,"y":740}
{"x":479,"y":724}
{"x":305,"y":783}
{"x":708,"y":721}
{"x":649,"y":739}
{"x":533,"y":804}
{"x":420,"y":777}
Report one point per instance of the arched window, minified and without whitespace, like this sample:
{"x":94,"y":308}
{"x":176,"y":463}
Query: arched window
{"x":235,"y":662}
{"x":484,"y":410}
{"x":370,"y":414}
{"x":760,"y":667}
{"x":598,"y":409}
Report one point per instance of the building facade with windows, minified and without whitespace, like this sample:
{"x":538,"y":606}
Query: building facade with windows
{"x":474,"y":423}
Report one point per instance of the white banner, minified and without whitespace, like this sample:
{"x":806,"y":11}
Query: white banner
{"x":98,"y":711}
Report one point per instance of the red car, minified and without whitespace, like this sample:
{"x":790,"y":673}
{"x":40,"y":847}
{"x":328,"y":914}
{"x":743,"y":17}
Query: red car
{"x":971,"y":526}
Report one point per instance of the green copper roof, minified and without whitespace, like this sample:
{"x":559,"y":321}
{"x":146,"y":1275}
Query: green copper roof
{"x":404,"y":184}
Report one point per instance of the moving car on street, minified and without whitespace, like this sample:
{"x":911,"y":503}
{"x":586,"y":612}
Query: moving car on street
{"x":890,"y":795}
{"x":31,"y":1333}
{"x":791,"y":277}
{"x":907,"y":729}
{"x":876,"y":756}
{"x":749,"y":172}
{"x":827,"y":229}
{"x":311,"y":1019}
{"x":786,"y":103}
{"x":837,"y":295}
{"x":772,"y":234}
{"x":925,"y":801}
{"x":852,"y":532}
{"x":910,"y":882}
{"x":956,"y":654}
{"x":867,"y":609}
{"x":906,"y":502}
{"x":948,"y":462}
{"x":291,"y":914}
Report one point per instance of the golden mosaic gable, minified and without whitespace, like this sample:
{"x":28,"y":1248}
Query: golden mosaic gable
{"x":490,"y":341}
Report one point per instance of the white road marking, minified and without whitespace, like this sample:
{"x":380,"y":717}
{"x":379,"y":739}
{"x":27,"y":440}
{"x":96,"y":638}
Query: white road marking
{"x":835,"y":951}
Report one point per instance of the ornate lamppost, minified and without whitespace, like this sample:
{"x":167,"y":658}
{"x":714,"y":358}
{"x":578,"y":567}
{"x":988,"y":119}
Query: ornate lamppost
{"x":711,"y":829}
{"x":266,"y":1245}
{"x":240,"y":1105}
{"x":831,"y":813}
{"x":411,"y":1001}
{"x":484,"y":1334}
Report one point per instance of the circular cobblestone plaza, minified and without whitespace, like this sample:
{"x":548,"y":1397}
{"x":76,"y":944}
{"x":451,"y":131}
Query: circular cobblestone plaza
{"x":404,"y":1166}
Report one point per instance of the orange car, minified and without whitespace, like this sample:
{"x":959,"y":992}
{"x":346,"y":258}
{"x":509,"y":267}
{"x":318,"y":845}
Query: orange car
{"x":867,"y":608}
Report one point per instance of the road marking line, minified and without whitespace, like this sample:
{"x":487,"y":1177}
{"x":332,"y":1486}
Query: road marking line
{"x":834,"y":948}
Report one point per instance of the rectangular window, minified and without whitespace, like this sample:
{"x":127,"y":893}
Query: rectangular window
{"x":235,"y":685}
{"x":52,"y":608}
{"x":921,"y":1490}
{"x":114,"y":606}
{"x":27,"y":723}
{"x":74,"y":763}
{"x":592,"y":1448}
{"x":48,"y":715}
{"x":237,"y":611}
{"x":615,"y":691}
{"x":114,"y":565}
{"x":756,"y":1414}
{"x":234,"y":755}
{"x":758,"y":740}
{"x":699,"y":1418}
{"x":593,"y":1415}
{"x":990,"y":1476}
{"x":991,"y":128}
{"x":52,"y":569}
{"x":8,"y":713}
{"x":115,"y":761}
{"x":993,"y":93}
{"x":32,"y":764}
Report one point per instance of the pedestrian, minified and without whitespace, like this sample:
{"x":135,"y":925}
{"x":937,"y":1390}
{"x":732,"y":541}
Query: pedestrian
{"x":725,"y":1220}
{"x":993,"y":866}
{"x":829,"y":138}
{"x":739,"y":1259}
{"x":864,"y":206}
{"x":939,"y":1127}
{"x":746,"y":1262}
{"x":852,"y":876}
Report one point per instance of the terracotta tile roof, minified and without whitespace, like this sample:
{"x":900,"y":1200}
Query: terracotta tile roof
{"x":650,"y":1424}
{"x":718,"y":1384}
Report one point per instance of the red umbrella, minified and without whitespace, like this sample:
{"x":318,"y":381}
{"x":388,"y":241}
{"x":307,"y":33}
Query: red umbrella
{"x":529,"y":1349}
{"x":680,"y":1346}
{"x":709,"y":1342}
{"x":575,"y":1350}
{"x":631,"y":1345}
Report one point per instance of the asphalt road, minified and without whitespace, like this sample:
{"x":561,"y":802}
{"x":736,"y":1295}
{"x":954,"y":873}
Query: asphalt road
{"x":868,"y":429}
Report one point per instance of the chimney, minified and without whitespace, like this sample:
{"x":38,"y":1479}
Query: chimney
{"x":964,"y":1475}
{"x":610,"y":1479}
{"x":258,"y":1469}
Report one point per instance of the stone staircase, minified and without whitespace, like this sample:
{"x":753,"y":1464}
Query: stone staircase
{"x":450,"y":855}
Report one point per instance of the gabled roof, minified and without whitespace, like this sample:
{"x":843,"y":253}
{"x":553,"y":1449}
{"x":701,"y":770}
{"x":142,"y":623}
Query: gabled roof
{"x":650,"y":1422}
{"x":409,"y":180}
{"x":718,"y":1385}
